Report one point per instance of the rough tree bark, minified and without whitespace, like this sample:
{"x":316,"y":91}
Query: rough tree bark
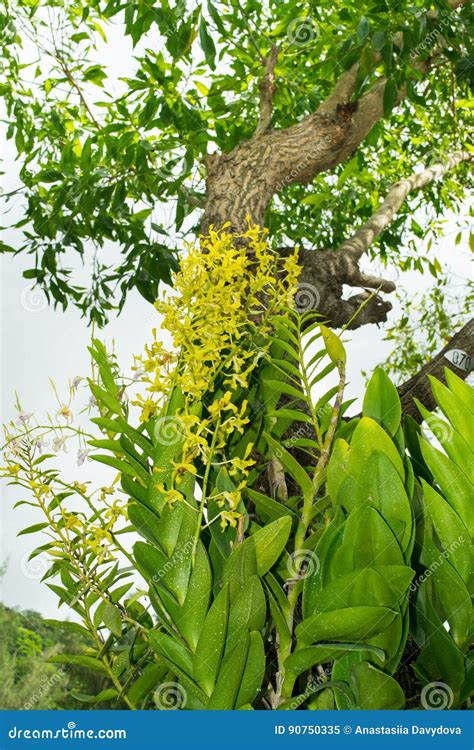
{"x":419,"y":385}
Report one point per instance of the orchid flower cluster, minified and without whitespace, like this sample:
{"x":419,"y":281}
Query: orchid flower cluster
{"x":30,"y":444}
{"x":220,"y":315}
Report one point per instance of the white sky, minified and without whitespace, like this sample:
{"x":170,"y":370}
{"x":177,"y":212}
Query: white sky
{"x":38,"y":343}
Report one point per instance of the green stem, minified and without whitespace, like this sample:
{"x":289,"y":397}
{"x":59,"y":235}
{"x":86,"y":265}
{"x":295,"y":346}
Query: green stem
{"x":105,"y":661}
{"x":307,"y":388}
{"x":204,"y":489}
{"x":305,"y":521}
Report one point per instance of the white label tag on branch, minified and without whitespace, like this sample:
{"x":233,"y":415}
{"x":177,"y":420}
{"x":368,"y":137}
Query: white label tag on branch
{"x":460,"y":359}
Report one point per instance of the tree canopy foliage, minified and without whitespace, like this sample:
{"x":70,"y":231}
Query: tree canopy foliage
{"x":125,"y":159}
{"x":28,"y":680}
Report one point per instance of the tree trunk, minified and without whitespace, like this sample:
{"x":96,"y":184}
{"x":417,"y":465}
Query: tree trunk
{"x":419,"y":385}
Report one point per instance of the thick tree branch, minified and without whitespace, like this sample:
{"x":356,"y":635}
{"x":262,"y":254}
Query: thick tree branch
{"x":244,"y":181}
{"x":267,"y":90}
{"x":342,"y":92}
{"x":359,"y":243}
{"x":419,"y":386}
{"x":321,"y":287}
{"x":324,"y":273}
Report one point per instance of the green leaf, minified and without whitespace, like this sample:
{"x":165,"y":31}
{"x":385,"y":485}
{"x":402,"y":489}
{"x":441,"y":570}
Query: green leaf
{"x":281,"y":623}
{"x":122,"y":466}
{"x":378,"y":40}
{"x":172,"y":649}
{"x":33,"y":529}
{"x":188,"y":684}
{"x":364,"y":586}
{"x":375,"y":690}
{"x":229,"y":681}
{"x":105,"y":399}
{"x":105,"y":695}
{"x":79,"y":660}
{"x":266,"y":507}
{"x":454,"y":598}
{"x":247,"y":612}
{"x":462,"y":390}
{"x":334,"y":345}
{"x":338,"y":474}
{"x":145,"y":522}
{"x":366,"y":537}
{"x":73,"y":627}
{"x":379,"y":484}
{"x":109,"y":445}
{"x":210,"y":647}
{"x":382,"y":402}
{"x":110,"y":615}
{"x":351,"y":623}
{"x":147,"y":681}
{"x":292,"y":415}
{"x":99,"y":354}
{"x":363,"y":28}
{"x":151,"y":562}
{"x":440,"y":655}
{"x":368,"y":437}
{"x":390,"y":96}
{"x":207,"y":44}
{"x":195,"y":607}
{"x":269,"y":542}
{"x":306,"y":658}
{"x":328,"y":542}
{"x":240,"y":566}
{"x":450,"y":530}
{"x":454,"y":409}
{"x":453,"y":443}
{"x":456,"y":487}
{"x":254,"y":672}
{"x":177,"y":573}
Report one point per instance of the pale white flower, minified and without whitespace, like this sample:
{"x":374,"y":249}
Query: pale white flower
{"x":59,"y":443}
{"x":82,"y":455}
{"x":23,"y":418}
